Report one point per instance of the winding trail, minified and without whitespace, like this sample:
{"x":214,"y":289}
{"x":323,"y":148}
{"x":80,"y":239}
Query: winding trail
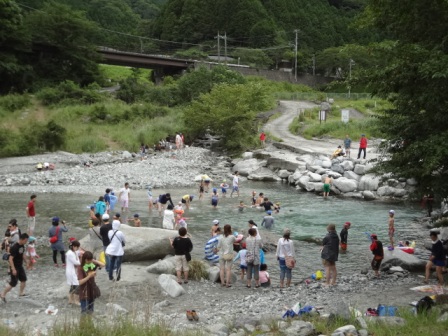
{"x":279,"y":128}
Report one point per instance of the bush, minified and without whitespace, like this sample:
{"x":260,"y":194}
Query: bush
{"x":198,"y":270}
{"x":14,"y":102}
{"x":67,"y":93}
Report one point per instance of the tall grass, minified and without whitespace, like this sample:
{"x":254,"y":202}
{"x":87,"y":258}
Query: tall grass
{"x":14,"y":102}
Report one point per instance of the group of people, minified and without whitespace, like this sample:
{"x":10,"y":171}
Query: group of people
{"x":345,"y":151}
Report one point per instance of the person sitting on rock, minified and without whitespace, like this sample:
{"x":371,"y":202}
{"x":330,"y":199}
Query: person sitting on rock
{"x":338,"y":152}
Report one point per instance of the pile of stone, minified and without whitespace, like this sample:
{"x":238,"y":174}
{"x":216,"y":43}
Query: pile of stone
{"x":351,"y":177}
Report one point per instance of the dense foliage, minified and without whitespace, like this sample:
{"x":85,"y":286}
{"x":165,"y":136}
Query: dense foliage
{"x":414,"y":78}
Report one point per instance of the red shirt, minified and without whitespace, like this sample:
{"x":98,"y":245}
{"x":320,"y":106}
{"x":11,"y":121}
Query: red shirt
{"x":31,"y":210}
{"x":262,"y":136}
{"x":363,"y":142}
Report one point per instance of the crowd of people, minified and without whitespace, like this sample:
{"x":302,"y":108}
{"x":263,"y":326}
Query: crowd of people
{"x":224,"y":247}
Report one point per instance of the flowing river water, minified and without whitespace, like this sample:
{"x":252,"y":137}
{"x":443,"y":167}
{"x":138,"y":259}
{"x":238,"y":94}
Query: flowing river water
{"x":306,"y":214}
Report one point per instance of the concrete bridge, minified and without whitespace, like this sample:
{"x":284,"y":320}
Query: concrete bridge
{"x":161,"y":65}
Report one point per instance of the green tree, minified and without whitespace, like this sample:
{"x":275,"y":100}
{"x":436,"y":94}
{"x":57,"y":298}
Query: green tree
{"x":13,"y":44}
{"x":228,"y":111}
{"x":62,"y":42}
{"x":414,"y":78}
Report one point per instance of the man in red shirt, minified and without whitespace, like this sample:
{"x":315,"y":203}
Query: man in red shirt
{"x":31,"y":214}
{"x":263,"y":139}
{"x":362,"y":146}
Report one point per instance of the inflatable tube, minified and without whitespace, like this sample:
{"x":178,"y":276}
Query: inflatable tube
{"x":406,"y":249}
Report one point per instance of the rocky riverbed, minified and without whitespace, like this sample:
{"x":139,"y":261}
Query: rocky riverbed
{"x":222,"y":311}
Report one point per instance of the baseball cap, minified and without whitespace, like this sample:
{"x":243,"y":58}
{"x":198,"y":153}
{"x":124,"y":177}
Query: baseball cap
{"x":269,"y":212}
{"x":55,"y":219}
{"x":392,"y":212}
{"x":31,"y":239}
{"x":215,"y":222}
{"x":71,"y":239}
{"x":105,"y":216}
{"x":347,"y":224}
{"x":373,"y":235}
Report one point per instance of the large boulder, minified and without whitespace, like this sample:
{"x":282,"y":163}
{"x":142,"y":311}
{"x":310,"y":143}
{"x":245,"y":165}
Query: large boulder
{"x":246,"y":167}
{"x":368,"y":195}
{"x":283,"y":173}
{"x":315,"y":177}
{"x":263,"y":174}
{"x":360,"y":169}
{"x":407,"y":261}
{"x":142,"y":243}
{"x":248,"y":155}
{"x":333,"y":174}
{"x":313,"y":168}
{"x":369,"y":182}
{"x":345,"y":185}
{"x":310,"y":186}
{"x":296,"y":176}
{"x":352,"y":176}
{"x":337,"y":168}
{"x":326,"y":163}
{"x":303,"y":181}
{"x":347,"y":165}
{"x":165,"y":266}
{"x":385,"y":191}
{"x":170,"y":285}
{"x":290,"y":164}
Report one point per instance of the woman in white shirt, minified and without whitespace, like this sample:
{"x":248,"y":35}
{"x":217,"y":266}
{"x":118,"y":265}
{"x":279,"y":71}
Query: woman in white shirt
{"x":225,"y":248}
{"x":285,"y":248}
{"x":115,"y":250}
{"x":72,"y":263}
{"x":168,"y":218}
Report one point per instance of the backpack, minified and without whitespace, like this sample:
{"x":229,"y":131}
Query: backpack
{"x":424,"y":305}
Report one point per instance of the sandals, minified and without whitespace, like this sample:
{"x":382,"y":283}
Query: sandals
{"x":192,"y":315}
{"x":248,"y":286}
{"x":228,"y":286}
{"x":257,"y":286}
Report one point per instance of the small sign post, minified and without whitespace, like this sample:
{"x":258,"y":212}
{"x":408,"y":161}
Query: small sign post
{"x":322,"y":116}
{"x":345,"y":116}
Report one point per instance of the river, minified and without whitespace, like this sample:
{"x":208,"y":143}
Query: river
{"x":306,"y":214}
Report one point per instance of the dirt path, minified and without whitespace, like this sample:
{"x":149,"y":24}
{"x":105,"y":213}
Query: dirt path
{"x":279,"y":128}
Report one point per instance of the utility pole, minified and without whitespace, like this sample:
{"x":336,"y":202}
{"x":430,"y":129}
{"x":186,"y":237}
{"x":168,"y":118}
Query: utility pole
{"x":314,"y":64}
{"x":350,"y":63}
{"x":225,"y":47}
{"x":295,"y":67}
{"x":219,"y":47}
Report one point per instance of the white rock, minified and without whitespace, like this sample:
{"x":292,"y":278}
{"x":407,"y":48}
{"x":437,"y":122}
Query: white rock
{"x":283,"y":173}
{"x":297,"y":174}
{"x":347,"y":329}
{"x":170,"y":285}
{"x":411,"y":182}
{"x":310,"y":186}
{"x":394,"y":269}
{"x":142,"y":243}
{"x":213,"y":274}
{"x":315,"y":177}
{"x":318,"y":186}
{"x":313,"y":168}
{"x":126,"y":155}
{"x":347,"y":165}
{"x":263,"y":174}
{"x":369,"y":182}
{"x":115,"y":309}
{"x":345,"y":185}
{"x":246,"y":167}
{"x":352,"y":175}
{"x":248,"y":155}
{"x":386,"y":191}
{"x":165,"y":266}
{"x":334,"y":175}
{"x":360,"y":169}
{"x":337,"y":168}
{"x":407,"y":261}
{"x":326,"y":163}
{"x":400,"y":193}
{"x":368,"y":195}
{"x":303,"y":181}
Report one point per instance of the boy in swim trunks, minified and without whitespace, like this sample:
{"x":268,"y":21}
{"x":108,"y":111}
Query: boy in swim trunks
{"x":391,"y":228}
{"x":437,"y":259}
{"x":327,"y":185}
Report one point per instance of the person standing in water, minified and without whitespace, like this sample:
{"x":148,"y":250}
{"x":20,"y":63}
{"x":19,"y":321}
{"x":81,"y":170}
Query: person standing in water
{"x":344,"y":236}
{"x":327,"y":185}
{"x":391,"y":228}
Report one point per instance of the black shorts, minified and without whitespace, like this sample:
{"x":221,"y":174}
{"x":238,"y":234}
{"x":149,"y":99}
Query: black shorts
{"x":184,"y":201}
{"x":376,"y":263}
{"x":21,"y":276}
{"x":74,"y":289}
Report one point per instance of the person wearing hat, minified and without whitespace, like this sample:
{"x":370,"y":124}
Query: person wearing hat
{"x":31,"y":254}
{"x":391,"y":231}
{"x":56,"y":231}
{"x":268,"y":221}
{"x":344,"y":236}
{"x":104,"y":233}
{"x":362,"y":146}
{"x":215,"y":226}
{"x":437,"y":258}
{"x":378,"y":254}
{"x":254,"y":226}
{"x":330,"y":254}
